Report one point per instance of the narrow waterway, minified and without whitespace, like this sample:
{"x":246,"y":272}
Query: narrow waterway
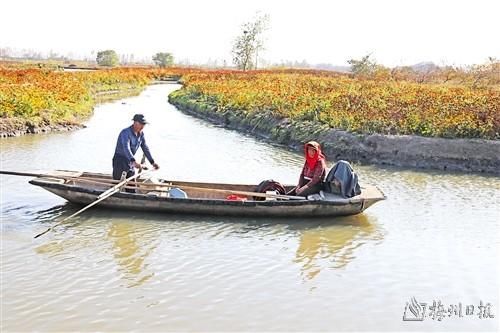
{"x":436,"y":238}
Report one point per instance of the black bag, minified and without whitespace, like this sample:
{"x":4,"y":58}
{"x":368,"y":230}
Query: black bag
{"x":348,"y":179}
{"x":268,"y":185}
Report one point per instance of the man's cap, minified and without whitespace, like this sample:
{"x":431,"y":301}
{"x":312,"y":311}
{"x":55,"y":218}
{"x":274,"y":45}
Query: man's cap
{"x":140,"y":118}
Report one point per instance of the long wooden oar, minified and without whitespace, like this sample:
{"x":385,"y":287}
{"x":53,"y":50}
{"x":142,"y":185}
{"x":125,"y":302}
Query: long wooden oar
{"x":61,"y":176}
{"x":154,"y":186}
{"x":101,"y":197}
{"x":28,"y":174}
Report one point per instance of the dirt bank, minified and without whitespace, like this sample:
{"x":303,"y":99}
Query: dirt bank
{"x":10,"y":127}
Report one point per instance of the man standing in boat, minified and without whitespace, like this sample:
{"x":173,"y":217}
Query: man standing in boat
{"x":129,"y":140}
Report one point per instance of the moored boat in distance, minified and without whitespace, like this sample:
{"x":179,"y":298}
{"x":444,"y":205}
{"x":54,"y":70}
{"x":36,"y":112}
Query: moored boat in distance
{"x":201,"y":198}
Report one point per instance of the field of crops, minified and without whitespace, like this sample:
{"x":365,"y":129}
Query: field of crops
{"x":49,"y":96}
{"x":356,"y":105}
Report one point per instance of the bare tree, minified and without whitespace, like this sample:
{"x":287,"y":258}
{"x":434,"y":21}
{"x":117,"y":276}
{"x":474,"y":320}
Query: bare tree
{"x":248,"y":44}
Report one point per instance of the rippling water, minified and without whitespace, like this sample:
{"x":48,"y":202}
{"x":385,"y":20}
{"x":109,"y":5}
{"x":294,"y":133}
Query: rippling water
{"x":436,"y":238}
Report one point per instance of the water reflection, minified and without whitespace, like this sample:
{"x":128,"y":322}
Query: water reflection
{"x":334,"y":245}
{"x":105,"y":232}
{"x":55,"y":213}
{"x":130,"y":252}
{"x":131,"y":237}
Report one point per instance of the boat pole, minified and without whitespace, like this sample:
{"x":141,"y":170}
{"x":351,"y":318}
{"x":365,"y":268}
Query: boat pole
{"x":25,"y":174}
{"x":100,"y":198}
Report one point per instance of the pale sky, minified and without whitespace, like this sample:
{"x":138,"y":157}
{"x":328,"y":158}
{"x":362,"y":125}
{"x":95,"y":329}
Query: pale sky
{"x":395,"y":32}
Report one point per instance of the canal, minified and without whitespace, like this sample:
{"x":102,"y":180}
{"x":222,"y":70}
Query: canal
{"x":436,"y":238}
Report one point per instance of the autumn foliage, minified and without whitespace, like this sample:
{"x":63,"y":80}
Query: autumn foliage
{"x":44,"y":95}
{"x":360,"y":105}
{"x":376,"y":104}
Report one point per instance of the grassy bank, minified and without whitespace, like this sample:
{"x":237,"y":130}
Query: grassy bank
{"x":338,"y":101}
{"x":44,"y":98}
{"x":355,"y":105}
{"x":466,"y":154}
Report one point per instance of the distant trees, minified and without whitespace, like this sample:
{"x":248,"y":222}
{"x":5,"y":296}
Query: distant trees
{"x":107,"y":58}
{"x":475,"y":76}
{"x":485,"y":74}
{"x":368,"y":68}
{"x":163,"y":59}
{"x":363,"y":66}
{"x":247,"y":45}
{"x":5,"y":52}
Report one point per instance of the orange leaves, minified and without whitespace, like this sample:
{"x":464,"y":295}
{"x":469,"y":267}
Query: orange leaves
{"x":42,"y":94}
{"x":357,"y":105}
{"x":338,"y":100}
{"x":52,"y":95}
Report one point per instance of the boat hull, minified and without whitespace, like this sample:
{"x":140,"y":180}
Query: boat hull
{"x":154,"y":203}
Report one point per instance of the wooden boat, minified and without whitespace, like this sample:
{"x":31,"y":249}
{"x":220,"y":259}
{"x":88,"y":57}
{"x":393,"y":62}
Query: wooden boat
{"x":202,"y":198}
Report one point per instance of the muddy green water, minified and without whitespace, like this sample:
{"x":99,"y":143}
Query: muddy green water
{"x":436,"y":238}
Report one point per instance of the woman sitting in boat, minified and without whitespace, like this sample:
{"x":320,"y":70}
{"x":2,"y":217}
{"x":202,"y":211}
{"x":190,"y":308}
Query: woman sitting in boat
{"x":313,"y":172}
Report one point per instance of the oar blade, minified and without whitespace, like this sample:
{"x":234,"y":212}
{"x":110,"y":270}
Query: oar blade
{"x":100,"y":198}
{"x":43,"y":233}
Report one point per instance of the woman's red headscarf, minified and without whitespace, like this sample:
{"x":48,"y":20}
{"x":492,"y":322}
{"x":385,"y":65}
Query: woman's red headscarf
{"x":311,"y":161}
